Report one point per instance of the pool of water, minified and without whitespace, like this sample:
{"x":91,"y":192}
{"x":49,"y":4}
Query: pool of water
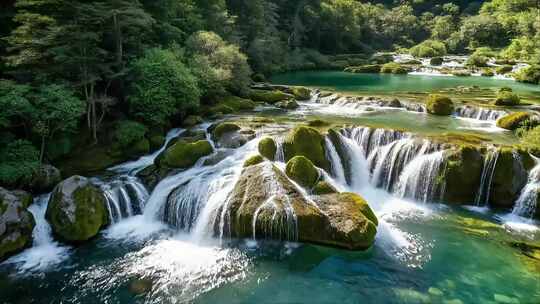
{"x":349,"y":82}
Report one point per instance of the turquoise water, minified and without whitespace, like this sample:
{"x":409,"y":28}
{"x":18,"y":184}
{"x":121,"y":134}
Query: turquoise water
{"x":350,"y":82}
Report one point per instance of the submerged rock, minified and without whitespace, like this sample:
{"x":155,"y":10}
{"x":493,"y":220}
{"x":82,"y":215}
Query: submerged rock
{"x":301,"y":170}
{"x":44,"y":179}
{"x":16,"y":222}
{"x":77,"y":210}
{"x":265,"y":200}
{"x":308,"y":142}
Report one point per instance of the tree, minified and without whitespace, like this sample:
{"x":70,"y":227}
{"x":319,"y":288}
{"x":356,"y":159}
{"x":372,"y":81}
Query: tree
{"x":163,"y":87}
{"x":20,"y":160}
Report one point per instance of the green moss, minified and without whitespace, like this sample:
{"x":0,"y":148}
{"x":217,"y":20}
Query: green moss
{"x":269,"y":96}
{"x":369,"y":68}
{"x":184,"y":154}
{"x":258,"y":77}
{"x":394,"y":68}
{"x":513,"y":121}
{"x":509,"y":177}
{"x":436,"y":61}
{"x":505,"y":69}
{"x":487,"y":73}
{"x":461,"y":73}
{"x":428,"y":48}
{"x":254,"y":160}
{"x":238,"y":104}
{"x":224,"y":128}
{"x":156,"y":142}
{"x":529,"y":75}
{"x":268,"y":148}
{"x":461,"y":175}
{"x":362,"y":205}
{"x":301,"y":170}
{"x":439,"y":105}
{"x":324,"y":187}
{"x":192,"y":120}
{"x":301,"y":93}
{"x":317,"y":123}
{"x":308,"y":142}
{"x":128,"y":132}
{"x":505,"y":98}
{"x":477,"y":61}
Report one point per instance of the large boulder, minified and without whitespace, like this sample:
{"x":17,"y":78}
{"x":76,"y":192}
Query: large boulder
{"x":439,"y":105}
{"x":230,"y":135}
{"x":514,"y":120}
{"x":461,"y":175}
{"x":184,"y":154}
{"x":268,"y":148}
{"x":509,"y":177}
{"x":301,"y":93}
{"x":307,"y":142}
{"x":77,"y":210}
{"x":301,"y":170}
{"x":44,"y":179}
{"x":265,"y":200}
{"x":270,"y":96}
{"x":16,"y":222}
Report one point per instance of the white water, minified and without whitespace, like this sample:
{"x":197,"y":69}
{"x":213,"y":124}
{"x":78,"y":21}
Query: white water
{"x":488,"y":169}
{"x":419,"y":179}
{"x":45,"y":252}
{"x":526,"y":204}
{"x":125,"y":196}
{"x":134,"y":167}
{"x":479,"y":113}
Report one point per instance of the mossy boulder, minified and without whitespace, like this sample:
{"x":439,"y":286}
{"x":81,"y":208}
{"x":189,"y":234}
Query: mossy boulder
{"x":221,"y":129}
{"x":268,"y":148}
{"x":264,"y":199}
{"x":439,"y":105}
{"x":288,"y":104}
{"x":301,"y":93}
{"x":308,"y":142}
{"x":44,"y":179}
{"x":461,"y":175}
{"x":16,"y":222}
{"x":461,"y":73}
{"x":301,"y":170}
{"x":254,"y":160}
{"x":238,"y":104}
{"x":505,"y":69}
{"x":269,"y":96}
{"x":487,"y":73}
{"x":394,"y":68}
{"x":513,"y":121}
{"x":230,"y":135}
{"x":77,"y":210}
{"x":506,"y":98}
{"x":324,"y":187}
{"x":436,"y":61}
{"x":184,"y":154}
{"x":509,"y":177}
{"x":192,"y":120}
{"x":152,"y":175}
{"x":368,"y":68}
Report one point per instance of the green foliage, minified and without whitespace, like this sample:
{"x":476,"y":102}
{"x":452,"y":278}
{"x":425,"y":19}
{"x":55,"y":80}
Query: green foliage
{"x":267,"y":148}
{"x":530,"y":74}
{"x":531,"y":140}
{"x":505,"y":98}
{"x":513,"y":121}
{"x":163,"y":87}
{"x":477,"y":61}
{"x":14,"y":103}
{"x":129,"y":132}
{"x":429,"y":48}
{"x":20,"y":159}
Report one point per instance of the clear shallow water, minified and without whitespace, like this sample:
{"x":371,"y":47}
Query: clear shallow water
{"x":349,"y":82}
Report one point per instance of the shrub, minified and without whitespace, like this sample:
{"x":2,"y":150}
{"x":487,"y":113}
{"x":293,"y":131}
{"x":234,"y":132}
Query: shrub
{"x":163,"y":87}
{"x":477,"y":61}
{"x":530,"y":74}
{"x":513,"y":121}
{"x":429,"y":48}
{"x":439,"y":105}
{"x":20,"y":159}
{"x":129,"y":132}
{"x":505,"y":98}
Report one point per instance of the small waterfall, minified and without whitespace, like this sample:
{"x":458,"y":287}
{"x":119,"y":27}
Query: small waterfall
{"x":335,"y":161}
{"x":488,"y":169}
{"x":370,"y":139}
{"x":419,"y":179}
{"x":479,"y":113}
{"x":527,"y":202}
{"x":125,"y":196}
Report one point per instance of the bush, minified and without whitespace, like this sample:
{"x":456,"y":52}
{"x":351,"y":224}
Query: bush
{"x":477,"y":61}
{"x":505,"y":69}
{"x":529,"y":75}
{"x":129,"y":132}
{"x":439,"y":105}
{"x":505,"y":98}
{"x":429,"y":48}
{"x":488,"y":73}
{"x":513,"y":121}
{"x":20,"y":159}
{"x":163,"y":87}
{"x":531,"y":140}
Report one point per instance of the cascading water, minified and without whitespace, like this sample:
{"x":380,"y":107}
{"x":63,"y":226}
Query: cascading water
{"x":479,"y":113}
{"x":419,"y":179}
{"x":335,"y":161}
{"x":526,"y":204}
{"x":488,"y":170}
{"x":125,"y":196}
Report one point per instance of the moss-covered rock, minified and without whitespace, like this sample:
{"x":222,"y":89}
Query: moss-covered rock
{"x":238,"y":103}
{"x":223,"y":128}
{"x":77,"y":210}
{"x":192,"y":120}
{"x":461,"y":73}
{"x":288,"y":104}
{"x":301,"y":93}
{"x":268,"y":148}
{"x":44,"y":179}
{"x":16,"y":222}
{"x":368,"y":68}
{"x":156,"y":141}
{"x":254,"y":160}
{"x":513,"y":121}
{"x":152,"y":175}
{"x":436,"y":61}
{"x":183,"y":154}
{"x":509,"y":177}
{"x":505,"y":69}
{"x":394,"y":68}
{"x":317,"y":123}
{"x":487,"y":73}
{"x":230,"y":135}
{"x":341,"y":220}
{"x":268,"y":96}
{"x":439,"y":105}
{"x":324,"y":187}
{"x":461,"y":175}
{"x":308,"y":142}
{"x":505,"y":98}
{"x":301,"y":170}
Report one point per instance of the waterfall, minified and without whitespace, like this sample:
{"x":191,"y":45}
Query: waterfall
{"x":125,"y":196}
{"x":488,"y":169}
{"x":335,"y":161}
{"x":419,"y":178}
{"x":527,"y":202}
{"x":479,"y":113}
{"x":45,"y":252}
